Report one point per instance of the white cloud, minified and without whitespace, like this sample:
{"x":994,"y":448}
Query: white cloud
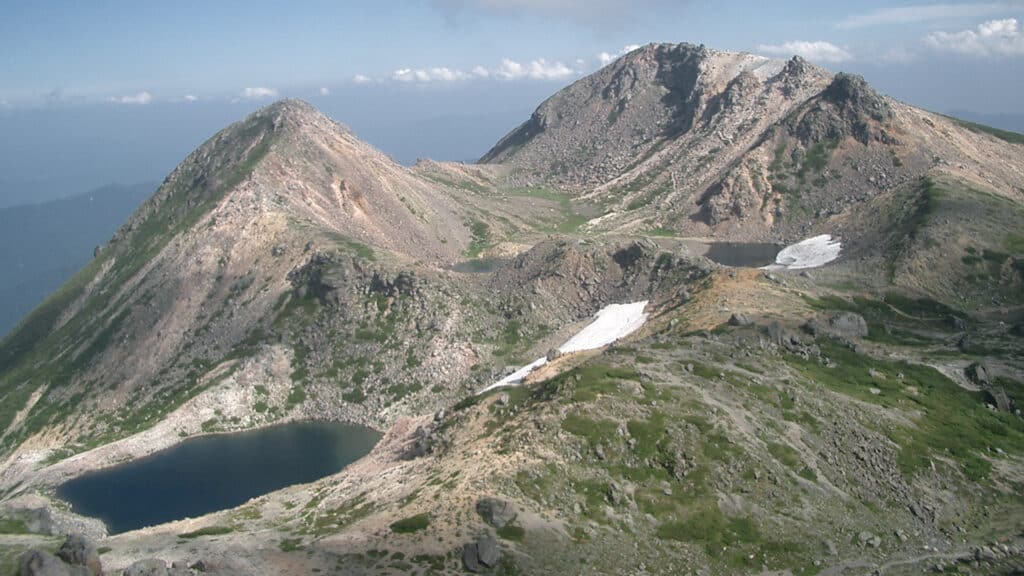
{"x":992,"y":38}
{"x":138,"y":98}
{"x":190,"y":98}
{"x":924,"y":13}
{"x":446,"y":74}
{"x":510,"y":69}
{"x":324,"y":91}
{"x":539,"y":69}
{"x":605,"y":58}
{"x":542,"y":70}
{"x":507,"y":69}
{"x":440,"y":74}
{"x":819,"y":51}
{"x":258,"y":93}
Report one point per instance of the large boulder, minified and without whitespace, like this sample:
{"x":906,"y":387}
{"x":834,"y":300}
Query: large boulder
{"x":483,"y":553}
{"x":739,"y":319}
{"x":997,"y":396}
{"x":77,"y":551}
{"x":487,"y":550}
{"x":495,"y":511}
{"x":42,"y":563}
{"x":780,"y":335}
{"x":147,"y":567}
{"x":849,"y":325}
{"x":636,"y":252}
{"x":956,"y":323}
{"x":470,"y":558}
{"x":869,"y":540}
{"x":977,"y":373}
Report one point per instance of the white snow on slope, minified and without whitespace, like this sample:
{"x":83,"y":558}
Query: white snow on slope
{"x":610,"y":323}
{"x":517,"y":376}
{"x":810,"y":253}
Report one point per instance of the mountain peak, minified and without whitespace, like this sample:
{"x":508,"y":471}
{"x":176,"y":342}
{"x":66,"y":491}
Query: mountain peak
{"x":292,"y":114}
{"x":296,"y":105}
{"x":667,"y":51}
{"x":289,"y":108}
{"x":291,"y":158}
{"x":592,"y":131}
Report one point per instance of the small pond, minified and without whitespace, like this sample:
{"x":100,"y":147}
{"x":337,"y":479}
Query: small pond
{"x":478,"y":265}
{"x":742,"y":254}
{"x":209,"y":473}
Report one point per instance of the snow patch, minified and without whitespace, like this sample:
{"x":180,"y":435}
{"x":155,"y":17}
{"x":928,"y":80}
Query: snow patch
{"x":610,"y":323}
{"x":810,"y":253}
{"x":517,"y":376}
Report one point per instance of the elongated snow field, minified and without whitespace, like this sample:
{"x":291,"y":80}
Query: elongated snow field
{"x":809,"y":253}
{"x":610,"y":323}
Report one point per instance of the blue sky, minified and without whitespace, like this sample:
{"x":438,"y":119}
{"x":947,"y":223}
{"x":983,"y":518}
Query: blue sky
{"x":137,"y":53}
{"x":122,"y":90}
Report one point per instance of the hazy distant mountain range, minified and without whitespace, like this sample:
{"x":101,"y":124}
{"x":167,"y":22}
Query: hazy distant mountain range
{"x":1012,"y":122}
{"x":42,"y":245}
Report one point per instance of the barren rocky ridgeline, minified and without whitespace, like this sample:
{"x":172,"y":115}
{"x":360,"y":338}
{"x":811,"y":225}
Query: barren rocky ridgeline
{"x":856,"y":417}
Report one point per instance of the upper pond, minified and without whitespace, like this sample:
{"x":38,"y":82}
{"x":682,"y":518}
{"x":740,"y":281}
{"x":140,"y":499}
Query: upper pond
{"x":209,"y":473}
{"x":478,"y":266}
{"x":737,"y":254}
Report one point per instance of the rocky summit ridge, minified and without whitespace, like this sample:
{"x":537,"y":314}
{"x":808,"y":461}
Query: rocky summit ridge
{"x":861,"y":416}
{"x":710,"y":143}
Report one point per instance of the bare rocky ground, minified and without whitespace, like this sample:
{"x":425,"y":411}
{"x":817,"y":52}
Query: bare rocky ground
{"x":856,"y":418}
{"x":724,"y":438}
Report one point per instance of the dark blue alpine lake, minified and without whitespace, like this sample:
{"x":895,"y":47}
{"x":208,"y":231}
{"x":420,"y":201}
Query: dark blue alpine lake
{"x":209,"y":473}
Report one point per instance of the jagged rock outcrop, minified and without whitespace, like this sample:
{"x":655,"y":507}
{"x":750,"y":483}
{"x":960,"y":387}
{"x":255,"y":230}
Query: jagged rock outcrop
{"x":75,"y":557}
{"x":334,"y":277}
{"x":565,"y":280}
{"x":78,"y":551}
{"x":42,"y":563}
{"x":848,"y":108}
